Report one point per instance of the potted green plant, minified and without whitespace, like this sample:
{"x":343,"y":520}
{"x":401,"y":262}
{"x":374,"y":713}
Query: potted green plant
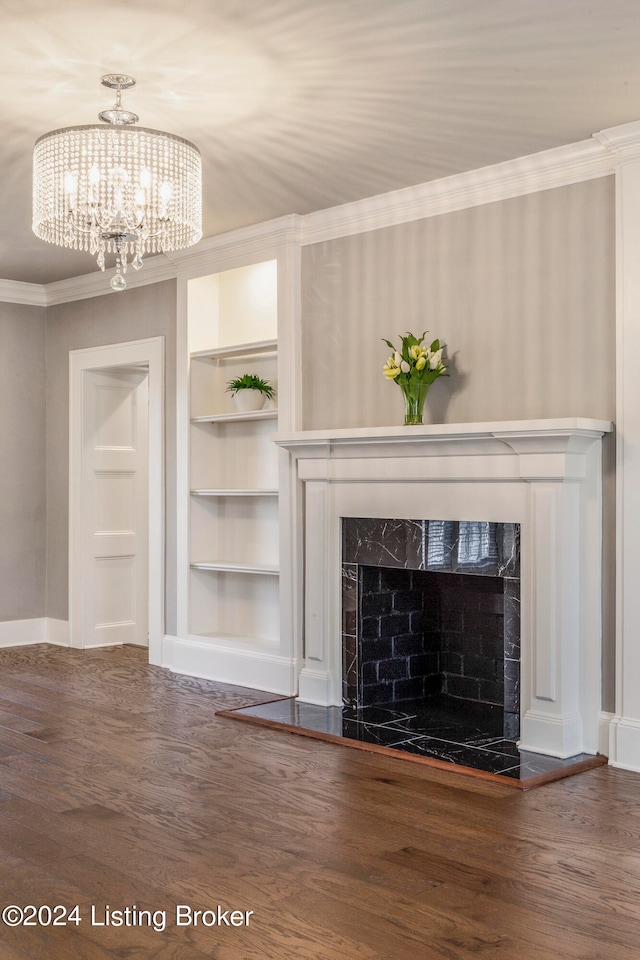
{"x":250,"y":392}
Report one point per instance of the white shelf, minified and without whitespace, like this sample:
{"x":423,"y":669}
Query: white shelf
{"x":236,"y":351}
{"x":270,"y":414}
{"x":234,"y":591}
{"x":227,"y":492}
{"x":234,"y":455}
{"x":260,"y":568}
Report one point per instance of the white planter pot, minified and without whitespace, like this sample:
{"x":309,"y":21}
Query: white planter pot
{"x":248,"y":400}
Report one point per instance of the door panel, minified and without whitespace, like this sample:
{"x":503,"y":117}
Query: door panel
{"x":115,"y":595}
{"x":115,"y":502}
{"x":115,"y":508}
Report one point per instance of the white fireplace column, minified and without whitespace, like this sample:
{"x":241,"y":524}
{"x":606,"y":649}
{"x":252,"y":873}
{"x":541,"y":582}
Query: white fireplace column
{"x":561,"y":582}
{"x":544,"y":475}
{"x":623,"y":142}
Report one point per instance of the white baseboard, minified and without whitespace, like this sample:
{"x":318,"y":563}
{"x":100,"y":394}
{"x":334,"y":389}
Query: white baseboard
{"x":555,"y":735}
{"x":22,"y":633}
{"x":57,"y":632}
{"x":219,"y":661}
{"x":624,"y":743}
{"x":604,"y":732}
{"x":316,"y":686}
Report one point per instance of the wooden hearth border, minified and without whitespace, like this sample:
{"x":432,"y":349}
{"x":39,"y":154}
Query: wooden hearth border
{"x":456,"y":769}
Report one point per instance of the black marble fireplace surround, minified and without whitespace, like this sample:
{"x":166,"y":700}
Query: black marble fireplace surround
{"x":431,"y":628}
{"x":431,"y":641}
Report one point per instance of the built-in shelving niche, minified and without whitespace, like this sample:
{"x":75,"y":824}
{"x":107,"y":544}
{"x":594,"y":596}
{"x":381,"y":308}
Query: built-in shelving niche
{"x":234,"y":517}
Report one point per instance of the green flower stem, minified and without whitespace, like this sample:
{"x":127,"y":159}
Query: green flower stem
{"x":415,"y":393}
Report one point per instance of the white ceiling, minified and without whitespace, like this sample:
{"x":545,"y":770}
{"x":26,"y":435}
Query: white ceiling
{"x":298,"y":105}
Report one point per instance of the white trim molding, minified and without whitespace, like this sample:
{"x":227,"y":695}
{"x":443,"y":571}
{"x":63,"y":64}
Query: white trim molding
{"x":21,"y":633}
{"x":545,"y":475}
{"x":254,"y":663}
{"x":96,"y":284}
{"x":31,"y":294}
{"x":605,"y":733}
{"x":227,"y":250}
{"x":228,"y":664}
{"x":624,"y":743}
{"x":623,"y":144}
{"x":57,"y":632}
{"x":557,"y":167}
{"x":134,"y":353}
{"x":238,"y":247}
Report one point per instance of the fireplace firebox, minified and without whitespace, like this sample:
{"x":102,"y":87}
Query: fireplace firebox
{"x":431,"y":615}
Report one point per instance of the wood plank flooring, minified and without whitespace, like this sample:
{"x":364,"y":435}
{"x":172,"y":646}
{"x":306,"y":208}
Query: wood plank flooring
{"x":120,"y":788}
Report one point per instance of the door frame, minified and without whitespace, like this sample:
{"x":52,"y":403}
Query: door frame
{"x":135,"y":353}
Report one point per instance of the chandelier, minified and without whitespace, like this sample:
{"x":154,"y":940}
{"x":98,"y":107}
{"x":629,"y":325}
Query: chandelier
{"x":117,"y":190}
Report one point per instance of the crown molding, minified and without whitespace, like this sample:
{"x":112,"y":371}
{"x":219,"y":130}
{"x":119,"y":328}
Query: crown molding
{"x":558,"y":167}
{"x":238,"y":246}
{"x":226,"y":249}
{"x":622,"y":141}
{"x":219,"y":251}
{"x":96,"y":284}
{"x":600,"y":156}
{"x":15,"y":291}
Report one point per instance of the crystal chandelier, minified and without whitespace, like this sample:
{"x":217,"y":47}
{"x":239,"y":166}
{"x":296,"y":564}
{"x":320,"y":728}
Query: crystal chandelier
{"x":117,"y":189}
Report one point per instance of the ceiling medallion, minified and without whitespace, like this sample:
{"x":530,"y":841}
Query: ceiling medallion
{"x":117,"y":189}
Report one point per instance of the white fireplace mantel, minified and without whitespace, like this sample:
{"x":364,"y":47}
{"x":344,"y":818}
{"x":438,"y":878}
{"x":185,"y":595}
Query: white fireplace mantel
{"x":545,"y":475}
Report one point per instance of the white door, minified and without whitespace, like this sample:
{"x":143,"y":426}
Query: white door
{"x":115,"y":511}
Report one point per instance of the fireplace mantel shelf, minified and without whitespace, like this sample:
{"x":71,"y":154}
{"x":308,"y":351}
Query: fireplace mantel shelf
{"x":511,"y":449}
{"x":504,"y":430}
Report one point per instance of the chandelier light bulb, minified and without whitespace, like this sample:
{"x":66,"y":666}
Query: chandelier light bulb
{"x":117,"y":190}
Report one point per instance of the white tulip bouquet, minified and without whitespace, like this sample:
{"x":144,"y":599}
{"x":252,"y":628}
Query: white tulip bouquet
{"x":414,"y":368}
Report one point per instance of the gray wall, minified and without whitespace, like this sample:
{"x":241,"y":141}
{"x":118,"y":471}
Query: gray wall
{"x":522,"y":292}
{"x":22,"y":470}
{"x":136,"y":314}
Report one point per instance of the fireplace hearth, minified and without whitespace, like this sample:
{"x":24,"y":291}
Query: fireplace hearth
{"x":453,"y":743}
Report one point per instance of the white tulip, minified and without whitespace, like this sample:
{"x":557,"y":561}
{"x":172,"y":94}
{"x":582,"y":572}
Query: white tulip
{"x":405,"y":367}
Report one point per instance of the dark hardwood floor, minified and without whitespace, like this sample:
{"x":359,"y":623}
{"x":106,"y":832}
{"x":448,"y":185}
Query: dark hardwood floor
{"x":120,"y":788}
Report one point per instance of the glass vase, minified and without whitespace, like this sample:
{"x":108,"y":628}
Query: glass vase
{"x":414,"y":394}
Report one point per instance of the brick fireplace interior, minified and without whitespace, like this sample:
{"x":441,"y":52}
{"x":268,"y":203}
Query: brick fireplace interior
{"x":431,"y":632}
{"x":443,"y":638}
